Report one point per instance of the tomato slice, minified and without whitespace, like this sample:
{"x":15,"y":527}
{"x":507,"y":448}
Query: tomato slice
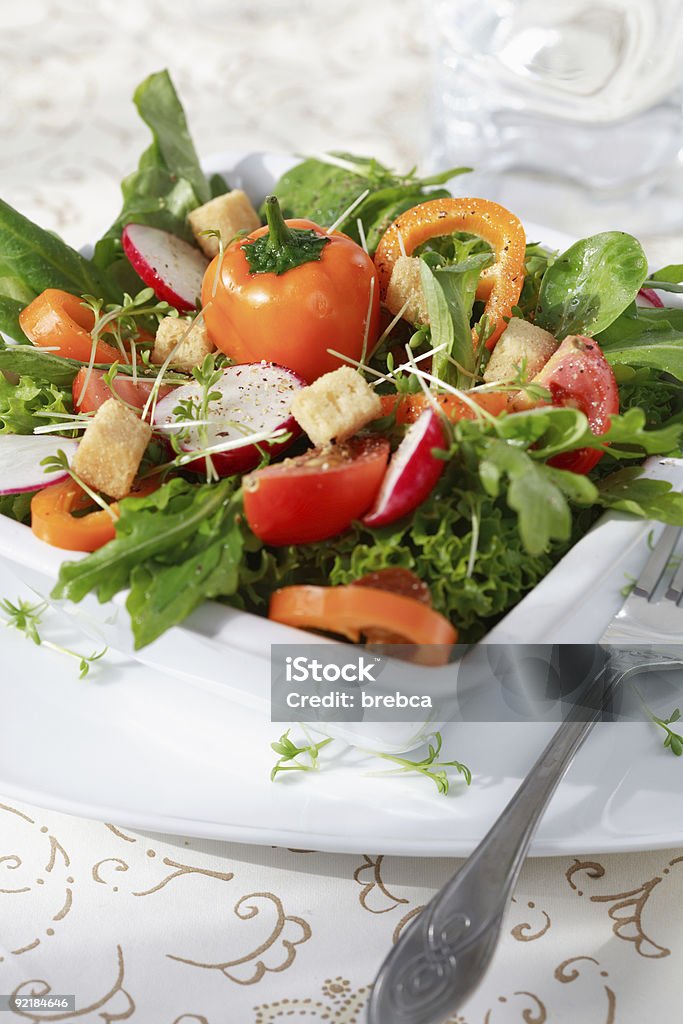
{"x":578,"y":375}
{"x":316,"y":495}
{"x":55,"y":518}
{"x":353,"y":610}
{"x":409,"y":408}
{"x":59,"y":321}
{"x":97,"y":391}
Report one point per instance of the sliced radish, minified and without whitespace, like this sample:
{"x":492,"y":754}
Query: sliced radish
{"x":412,"y":472}
{"x":20,"y":458}
{"x":255,"y":401}
{"x":649,"y":297}
{"x":172,"y":267}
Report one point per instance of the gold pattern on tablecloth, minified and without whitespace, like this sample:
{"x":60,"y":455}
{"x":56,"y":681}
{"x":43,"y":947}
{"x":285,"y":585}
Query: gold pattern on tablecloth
{"x":341,"y":1008}
{"x":254,"y":959}
{"x":524,"y":931}
{"x":532,"y":1012}
{"x":51,"y":880}
{"x":369,"y":876}
{"x":563,"y":974}
{"x":38,"y":987}
{"x":627,"y":907}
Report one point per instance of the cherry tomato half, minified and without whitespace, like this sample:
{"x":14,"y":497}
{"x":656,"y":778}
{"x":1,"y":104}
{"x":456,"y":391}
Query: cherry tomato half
{"x":316,"y":495}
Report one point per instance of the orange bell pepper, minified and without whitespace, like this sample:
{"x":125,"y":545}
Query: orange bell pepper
{"x":59,"y":321}
{"x":500,"y":285}
{"x":53,"y":516}
{"x":408,"y":408}
{"x":351,"y":610}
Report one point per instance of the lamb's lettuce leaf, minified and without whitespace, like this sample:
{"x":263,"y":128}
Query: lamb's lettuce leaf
{"x":646,"y":337}
{"x":588,"y":286}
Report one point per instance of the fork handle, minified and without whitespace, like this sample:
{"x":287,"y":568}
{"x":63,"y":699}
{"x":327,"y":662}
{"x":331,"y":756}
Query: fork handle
{"x":420,"y":979}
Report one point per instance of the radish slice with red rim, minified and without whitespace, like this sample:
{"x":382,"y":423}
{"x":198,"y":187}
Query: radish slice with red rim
{"x":412,"y":472}
{"x":649,"y":297}
{"x":20,"y":461}
{"x":255,"y":399}
{"x":166,"y":263}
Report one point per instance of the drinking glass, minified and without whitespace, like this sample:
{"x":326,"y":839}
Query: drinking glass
{"x":570,"y":111}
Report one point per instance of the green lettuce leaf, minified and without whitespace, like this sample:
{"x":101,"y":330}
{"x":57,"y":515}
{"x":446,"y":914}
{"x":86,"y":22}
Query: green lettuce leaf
{"x":646,"y":337}
{"x":322,"y":191}
{"x":168,"y":183}
{"x":28,"y":404}
{"x":588,"y":286}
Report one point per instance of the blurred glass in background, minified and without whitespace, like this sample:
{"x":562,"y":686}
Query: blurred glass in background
{"x":570,"y":111}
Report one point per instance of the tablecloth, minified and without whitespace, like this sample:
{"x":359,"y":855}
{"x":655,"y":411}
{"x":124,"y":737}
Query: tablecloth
{"x":170,"y":930}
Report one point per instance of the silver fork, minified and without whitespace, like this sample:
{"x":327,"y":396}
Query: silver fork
{"x":443,"y":955}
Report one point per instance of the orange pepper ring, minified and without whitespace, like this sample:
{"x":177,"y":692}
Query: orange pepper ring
{"x":53,"y":521}
{"x":500,"y":285}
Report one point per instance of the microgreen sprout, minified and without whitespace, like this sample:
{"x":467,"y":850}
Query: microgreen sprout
{"x":26,"y":618}
{"x":289,"y":752}
{"x":672,"y":740}
{"x":55,"y":463}
{"x":119,"y":322}
{"x":430,"y":767}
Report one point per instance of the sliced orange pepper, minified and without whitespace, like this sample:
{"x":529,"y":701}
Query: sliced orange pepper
{"x":59,"y":321}
{"x":53,"y":519}
{"x":500,"y":285}
{"x":409,"y":408}
{"x":351,"y":610}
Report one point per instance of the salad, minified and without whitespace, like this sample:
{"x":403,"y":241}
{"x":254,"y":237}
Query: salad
{"x":368,"y":408}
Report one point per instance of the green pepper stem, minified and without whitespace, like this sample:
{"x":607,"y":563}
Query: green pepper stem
{"x":279,"y":235}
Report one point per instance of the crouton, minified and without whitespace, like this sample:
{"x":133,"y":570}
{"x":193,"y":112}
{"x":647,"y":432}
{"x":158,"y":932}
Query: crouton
{"x":111,"y":449}
{"x":228,"y":214}
{"x":335,"y":406}
{"x":405,"y":286}
{"x":192,"y":348}
{"x":520,"y":343}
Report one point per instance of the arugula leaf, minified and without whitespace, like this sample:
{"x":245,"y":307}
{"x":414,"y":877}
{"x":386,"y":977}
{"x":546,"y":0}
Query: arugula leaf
{"x":536,"y":262}
{"x":628,"y":491}
{"x":21,"y":403}
{"x":646,"y":337}
{"x":589,"y":285}
{"x":536,"y":492}
{"x":321,"y":191}
{"x":173,"y":548}
{"x":167,"y":185}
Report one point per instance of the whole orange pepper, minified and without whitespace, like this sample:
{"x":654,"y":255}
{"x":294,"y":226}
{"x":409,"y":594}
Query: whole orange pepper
{"x":288,"y":293}
{"x":500,"y":285}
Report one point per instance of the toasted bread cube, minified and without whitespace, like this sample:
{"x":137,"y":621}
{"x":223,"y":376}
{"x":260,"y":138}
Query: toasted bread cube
{"x":405,"y":286}
{"x":335,"y":406}
{"x":111,"y":449}
{"x":194,"y":340}
{"x":519,"y":342}
{"x":227,"y":214}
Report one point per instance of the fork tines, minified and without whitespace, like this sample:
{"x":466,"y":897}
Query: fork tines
{"x":657,"y":564}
